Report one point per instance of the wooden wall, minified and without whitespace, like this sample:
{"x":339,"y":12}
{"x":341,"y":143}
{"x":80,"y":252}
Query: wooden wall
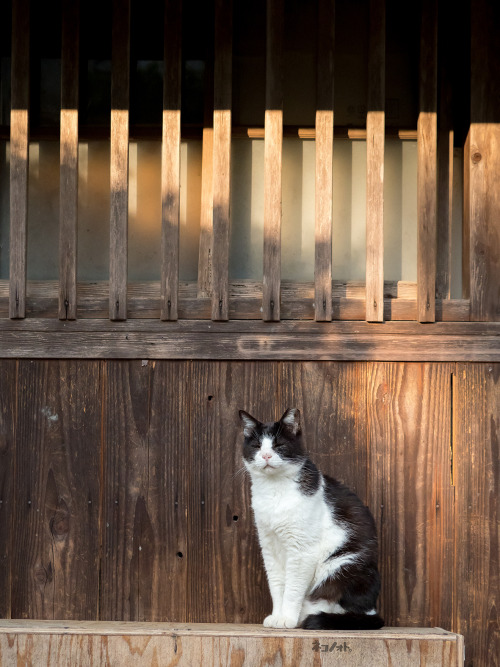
{"x":122,"y":498}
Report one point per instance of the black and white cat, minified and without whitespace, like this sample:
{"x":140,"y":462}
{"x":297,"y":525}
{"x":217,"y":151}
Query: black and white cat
{"x":318,"y":540}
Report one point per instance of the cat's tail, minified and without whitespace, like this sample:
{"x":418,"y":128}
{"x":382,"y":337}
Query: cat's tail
{"x":324,"y":621}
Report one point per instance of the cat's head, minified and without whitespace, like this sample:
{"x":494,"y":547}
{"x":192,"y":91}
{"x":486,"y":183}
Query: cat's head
{"x":275,"y":447}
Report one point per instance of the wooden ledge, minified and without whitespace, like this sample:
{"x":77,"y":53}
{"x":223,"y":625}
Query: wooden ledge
{"x":30,"y":642}
{"x":249,"y":340}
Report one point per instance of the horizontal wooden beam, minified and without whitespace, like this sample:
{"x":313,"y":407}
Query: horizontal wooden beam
{"x":327,"y":342}
{"x":348,"y":301}
{"x":203,"y":643}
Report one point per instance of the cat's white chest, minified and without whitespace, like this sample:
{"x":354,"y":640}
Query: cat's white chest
{"x":279,"y":507}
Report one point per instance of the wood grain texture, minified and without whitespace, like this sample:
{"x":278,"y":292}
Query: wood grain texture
{"x":205,"y":253}
{"x":332,"y":401}
{"x":171,"y":161}
{"x":222,"y":158}
{"x":410,"y":492}
{"x":68,"y":188}
{"x":226,"y":580}
{"x":427,"y":166}
{"x":483,"y":163}
{"x":445,"y":146}
{"x":202,"y":644}
{"x":273,"y":145}
{"x":19,"y":141}
{"x":205,"y":256}
{"x":476,"y":474}
{"x":284,"y":345}
{"x":375,"y":145}
{"x":120,"y":92}
{"x":165,"y":552}
{"x":245,"y":301}
{"x":466,"y":222}
{"x":55,"y":544}
{"x":126,"y":524}
{"x":8,"y":387}
{"x":324,"y":163}
{"x":484,"y":202}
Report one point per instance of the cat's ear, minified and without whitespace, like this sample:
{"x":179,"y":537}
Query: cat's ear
{"x":249,"y":423}
{"x":291,"y":419}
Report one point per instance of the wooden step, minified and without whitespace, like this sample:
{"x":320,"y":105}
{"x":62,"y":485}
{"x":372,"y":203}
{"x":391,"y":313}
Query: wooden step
{"x":81,"y":643}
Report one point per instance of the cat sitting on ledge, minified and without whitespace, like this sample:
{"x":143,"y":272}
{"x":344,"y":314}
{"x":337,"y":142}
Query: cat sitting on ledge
{"x":318,"y":540}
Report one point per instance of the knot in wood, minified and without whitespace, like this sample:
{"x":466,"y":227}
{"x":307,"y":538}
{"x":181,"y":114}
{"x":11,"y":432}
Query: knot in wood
{"x":476,"y":157}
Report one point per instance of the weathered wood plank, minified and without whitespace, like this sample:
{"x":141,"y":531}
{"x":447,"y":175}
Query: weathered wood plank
{"x":19,"y":140}
{"x":68,"y":198}
{"x":171,"y":159}
{"x":476,"y":473}
{"x":273,"y":142}
{"x":332,"y":400}
{"x":222,"y":158}
{"x":297,"y":299}
{"x":126,"y":524}
{"x":484,"y":163}
{"x":226,"y":581}
{"x":251,"y":346}
{"x":464,"y":329}
{"x":375,"y":144}
{"x":466,"y":255}
{"x":445,"y":145}
{"x":120,"y":91}
{"x":427,"y":166}
{"x":324,"y":163}
{"x":410,"y":493}
{"x":8,"y":392}
{"x":205,"y":251}
{"x":205,"y":272}
{"x":202,"y":644}
{"x":55,"y":547}
{"x":165,"y":551}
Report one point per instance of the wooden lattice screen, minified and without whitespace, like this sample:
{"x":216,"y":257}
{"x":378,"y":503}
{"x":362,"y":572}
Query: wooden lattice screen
{"x":214,"y":296}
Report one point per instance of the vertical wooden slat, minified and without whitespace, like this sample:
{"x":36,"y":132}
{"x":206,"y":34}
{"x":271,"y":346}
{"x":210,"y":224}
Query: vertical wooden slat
{"x":483,"y":163}
{"x":168,"y":490}
{"x":120,"y":87}
{"x":222,"y":158}
{"x":445,"y":140}
{"x":207,"y":180}
{"x":147,"y":481}
{"x":324,"y":163}
{"x":410,"y":491}
{"x":476,"y":471}
{"x":55,"y":550}
{"x":68,"y":206}
{"x":375,"y":139}
{"x":427,"y":166}
{"x":226,"y":580}
{"x":273,"y":144}
{"x":205,"y":259}
{"x":19,"y":138}
{"x":332,"y":401}
{"x":126,"y":525}
{"x":466,"y":264}
{"x":8,"y":393}
{"x":171,"y":147}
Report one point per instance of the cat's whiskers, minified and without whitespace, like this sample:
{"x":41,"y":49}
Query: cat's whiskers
{"x":240,"y":472}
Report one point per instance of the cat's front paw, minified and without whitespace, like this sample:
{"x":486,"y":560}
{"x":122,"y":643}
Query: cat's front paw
{"x":280,"y":621}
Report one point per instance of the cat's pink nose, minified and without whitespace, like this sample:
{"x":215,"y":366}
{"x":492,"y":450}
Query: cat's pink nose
{"x":267,"y":456}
